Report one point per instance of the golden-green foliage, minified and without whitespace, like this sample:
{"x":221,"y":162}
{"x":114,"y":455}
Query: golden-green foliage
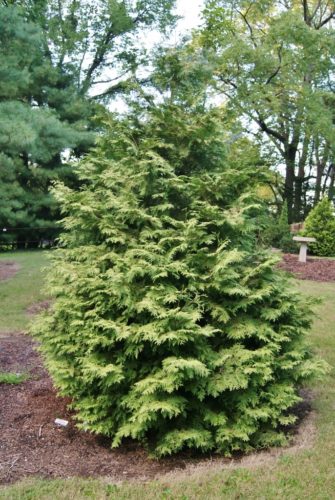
{"x":169,"y":325}
{"x":303,"y":472}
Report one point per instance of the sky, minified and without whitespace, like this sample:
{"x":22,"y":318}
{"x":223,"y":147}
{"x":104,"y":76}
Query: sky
{"x":190,"y":10}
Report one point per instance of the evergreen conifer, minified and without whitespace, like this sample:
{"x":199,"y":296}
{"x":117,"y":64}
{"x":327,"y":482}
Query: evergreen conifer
{"x":169,"y":325}
{"x":320,"y":224}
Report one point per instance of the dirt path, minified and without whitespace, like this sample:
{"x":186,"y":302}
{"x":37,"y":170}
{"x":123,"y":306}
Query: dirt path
{"x":32,"y":445}
{"x":8,"y":269}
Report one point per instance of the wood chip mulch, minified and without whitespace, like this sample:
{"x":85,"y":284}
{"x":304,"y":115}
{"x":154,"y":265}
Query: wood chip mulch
{"x":8,"y":269}
{"x":32,"y":444}
{"x":38,"y":307}
{"x":314,"y":269}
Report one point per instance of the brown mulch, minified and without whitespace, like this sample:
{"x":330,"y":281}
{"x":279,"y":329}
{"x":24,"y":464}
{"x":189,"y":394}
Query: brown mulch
{"x":8,"y":269}
{"x":31,"y":444}
{"x":313,"y":269}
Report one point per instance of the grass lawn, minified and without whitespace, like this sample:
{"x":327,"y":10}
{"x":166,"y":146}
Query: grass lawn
{"x":22,"y":290}
{"x":305,"y":474}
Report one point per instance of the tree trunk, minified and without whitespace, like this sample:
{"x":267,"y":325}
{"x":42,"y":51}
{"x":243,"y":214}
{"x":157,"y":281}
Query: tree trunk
{"x":298,"y":199}
{"x":289,"y":182}
{"x":317,"y":194}
{"x":331,"y":191}
{"x":320,"y":168}
{"x":299,"y":181}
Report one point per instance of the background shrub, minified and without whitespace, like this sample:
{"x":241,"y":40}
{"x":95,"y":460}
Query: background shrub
{"x":320,"y":224}
{"x":276,"y":232}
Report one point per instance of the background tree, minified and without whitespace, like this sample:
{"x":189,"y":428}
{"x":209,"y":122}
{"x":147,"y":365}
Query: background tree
{"x":32,"y":135}
{"x":53,"y":57}
{"x":275,"y":65}
{"x":98,"y":46}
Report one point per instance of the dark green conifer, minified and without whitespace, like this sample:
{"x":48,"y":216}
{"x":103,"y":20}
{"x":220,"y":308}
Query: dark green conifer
{"x":33,"y":136}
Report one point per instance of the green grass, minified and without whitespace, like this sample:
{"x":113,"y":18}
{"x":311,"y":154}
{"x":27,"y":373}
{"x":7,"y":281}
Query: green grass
{"x":12,"y":378}
{"x":21,"y":291}
{"x":308,"y":473}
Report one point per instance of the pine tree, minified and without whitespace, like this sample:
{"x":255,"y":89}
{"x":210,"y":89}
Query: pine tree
{"x":320,"y":224}
{"x":32,"y":135}
{"x":169,"y":325}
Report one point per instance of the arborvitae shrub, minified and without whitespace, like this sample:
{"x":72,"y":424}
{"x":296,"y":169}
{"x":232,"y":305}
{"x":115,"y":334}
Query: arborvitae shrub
{"x":169,"y":325}
{"x":320,"y":224}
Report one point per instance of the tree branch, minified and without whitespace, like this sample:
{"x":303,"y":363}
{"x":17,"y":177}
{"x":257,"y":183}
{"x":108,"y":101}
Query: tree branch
{"x":326,"y":20}
{"x":115,"y":89}
{"x":271,"y":77}
{"x":82,"y":61}
{"x":245,"y":19}
{"x":98,"y":58}
{"x":227,"y":81}
{"x":307,"y":18}
{"x":318,"y":5}
{"x":120,"y":86}
{"x":103,"y":47}
{"x":110,"y":80}
{"x":270,"y":131}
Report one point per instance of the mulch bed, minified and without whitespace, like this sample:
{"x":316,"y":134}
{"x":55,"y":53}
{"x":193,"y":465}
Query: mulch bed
{"x":8,"y":269}
{"x":313,"y":269}
{"x":31,"y":444}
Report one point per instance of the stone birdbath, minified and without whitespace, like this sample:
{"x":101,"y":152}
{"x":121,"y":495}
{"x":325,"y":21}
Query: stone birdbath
{"x":303,"y":240}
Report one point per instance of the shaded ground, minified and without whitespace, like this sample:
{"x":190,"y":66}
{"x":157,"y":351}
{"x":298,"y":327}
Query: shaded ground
{"x":313,"y":269}
{"x":8,"y":269}
{"x":31,"y":444}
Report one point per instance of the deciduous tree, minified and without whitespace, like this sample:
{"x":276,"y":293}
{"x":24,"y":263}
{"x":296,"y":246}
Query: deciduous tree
{"x":275,"y":65}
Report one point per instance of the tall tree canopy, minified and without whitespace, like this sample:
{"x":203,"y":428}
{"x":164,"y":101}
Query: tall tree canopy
{"x":100,"y":43}
{"x":275,"y":65}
